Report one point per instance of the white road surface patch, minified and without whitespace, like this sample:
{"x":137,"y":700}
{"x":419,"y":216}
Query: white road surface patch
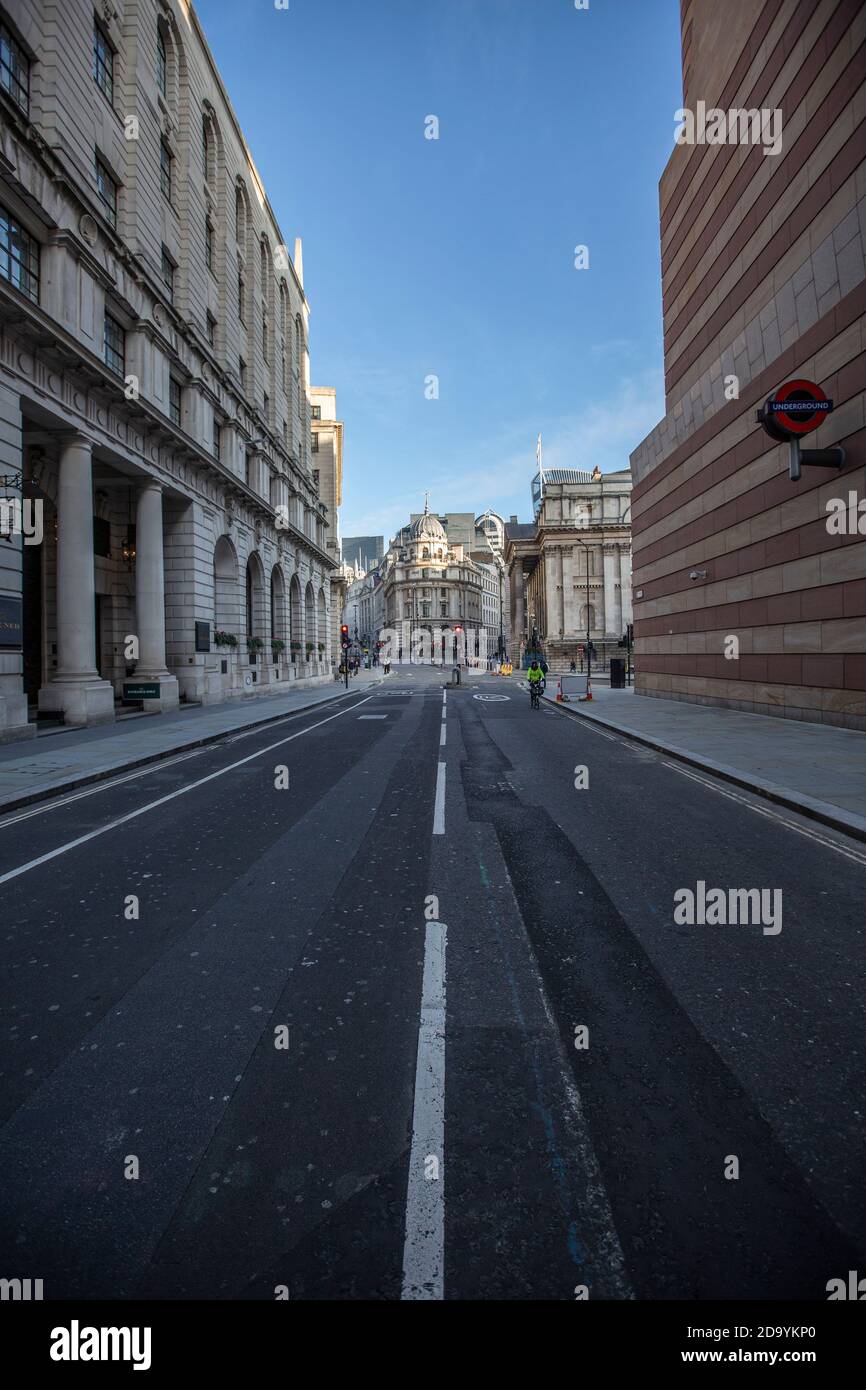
{"x":424,"y":1245}
{"x":439,"y":807}
{"x":372,"y":716}
{"x":163,"y":800}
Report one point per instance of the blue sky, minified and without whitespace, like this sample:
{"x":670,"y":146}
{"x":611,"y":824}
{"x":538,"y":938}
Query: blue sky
{"x":455,"y":257}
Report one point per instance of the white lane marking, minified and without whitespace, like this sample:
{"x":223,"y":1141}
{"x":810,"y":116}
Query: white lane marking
{"x":181,"y":791}
{"x":439,"y":807}
{"x":424,"y":1244}
{"x":372,"y":716}
{"x":442,"y":736}
{"x":108,"y":783}
{"x":771,"y":815}
{"x":106,"y":786}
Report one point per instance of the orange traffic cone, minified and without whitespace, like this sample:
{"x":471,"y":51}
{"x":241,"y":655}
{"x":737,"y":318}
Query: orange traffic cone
{"x":588,"y":688}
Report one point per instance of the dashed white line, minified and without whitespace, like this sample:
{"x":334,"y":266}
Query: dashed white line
{"x":161,"y":801}
{"x":424,"y":1244}
{"x":439,"y":807}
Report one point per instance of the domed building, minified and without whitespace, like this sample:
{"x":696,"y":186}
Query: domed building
{"x":433,"y":592}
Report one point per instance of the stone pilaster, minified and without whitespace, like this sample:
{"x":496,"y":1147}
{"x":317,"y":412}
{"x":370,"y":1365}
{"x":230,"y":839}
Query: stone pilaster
{"x":76,"y":688}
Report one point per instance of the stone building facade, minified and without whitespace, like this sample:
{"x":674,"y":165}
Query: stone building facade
{"x":326,"y":458}
{"x":433,"y":593}
{"x":569,"y":571}
{"x":764,"y":281}
{"x":154,"y":380}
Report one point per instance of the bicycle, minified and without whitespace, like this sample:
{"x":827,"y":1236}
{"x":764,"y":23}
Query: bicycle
{"x":536,"y":689}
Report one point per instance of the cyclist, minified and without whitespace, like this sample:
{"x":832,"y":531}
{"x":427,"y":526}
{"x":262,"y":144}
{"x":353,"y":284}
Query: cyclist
{"x":535,"y":676}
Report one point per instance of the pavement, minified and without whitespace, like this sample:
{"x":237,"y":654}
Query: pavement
{"x":66,"y":759}
{"x":388,"y":999}
{"x":815,"y":769}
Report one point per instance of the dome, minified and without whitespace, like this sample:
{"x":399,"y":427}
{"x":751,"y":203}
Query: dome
{"x":428,"y":528}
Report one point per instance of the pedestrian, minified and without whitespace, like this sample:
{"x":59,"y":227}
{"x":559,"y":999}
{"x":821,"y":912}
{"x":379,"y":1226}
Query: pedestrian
{"x":573,"y":668}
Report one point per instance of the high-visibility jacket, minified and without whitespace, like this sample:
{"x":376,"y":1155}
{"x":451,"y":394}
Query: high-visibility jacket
{"x":536,"y":675}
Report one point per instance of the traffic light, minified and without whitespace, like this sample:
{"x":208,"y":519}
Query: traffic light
{"x":344,"y":635}
{"x":458,"y":628}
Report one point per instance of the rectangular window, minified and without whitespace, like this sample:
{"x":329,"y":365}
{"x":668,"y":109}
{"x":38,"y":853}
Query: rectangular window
{"x":216,"y":438}
{"x":114,"y":345}
{"x":317,"y":412}
{"x":246,"y":468}
{"x":242,"y":373}
{"x":316,"y":480}
{"x":103,"y":62}
{"x":285,"y":434}
{"x":161,"y":65}
{"x":266,"y":405}
{"x":208,"y":245}
{"x":211,"y":328}
{"x":174,"y":400}
{"x":14,"y":69}
{"x":314,"y":442}
{"x":241,"y":297}
{"x":19,"y":257}
{"x":168,"y":273}
{"x":265,"y":337}
{"x":443,"y":610}
{"x":107,"y":190}
{"x":165,"y":170}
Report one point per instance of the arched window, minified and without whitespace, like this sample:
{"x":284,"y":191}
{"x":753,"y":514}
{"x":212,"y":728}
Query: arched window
{"x":240,"y":217}
{"x":167,"y":62}
{"x":225,"y":571}
{"x":284,"y":312}
{"x":161,"y":61}
{"x":208,"y":149}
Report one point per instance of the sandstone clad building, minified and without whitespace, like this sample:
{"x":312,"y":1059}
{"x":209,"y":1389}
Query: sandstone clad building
{"x":764,"y":281}
{"x":154,"y":380}
{"x":569,"y":571}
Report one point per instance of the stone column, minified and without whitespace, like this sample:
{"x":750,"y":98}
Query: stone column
{"x":76,"y":688}
{"x":13,"y":700}
{"x":625,"y":581}
{"x":150,"y":599}
{"x":610,"y":567}
{"x":518,"y":617}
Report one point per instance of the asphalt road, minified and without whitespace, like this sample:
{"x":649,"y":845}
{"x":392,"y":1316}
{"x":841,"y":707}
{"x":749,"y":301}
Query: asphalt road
{"x":320,"y":1038}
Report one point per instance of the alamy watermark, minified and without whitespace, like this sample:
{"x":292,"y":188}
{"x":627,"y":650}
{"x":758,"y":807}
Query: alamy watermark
{"x":729,"y":907}
{"x":433,"y":644}
{"x":19,"y":518}
{"x":736,"y":126}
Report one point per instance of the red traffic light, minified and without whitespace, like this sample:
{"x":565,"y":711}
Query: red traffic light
{"x":458,"y":628}
{"x":344,"y":630}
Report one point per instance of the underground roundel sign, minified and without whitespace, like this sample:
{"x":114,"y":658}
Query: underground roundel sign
{"x":796,"y":408}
